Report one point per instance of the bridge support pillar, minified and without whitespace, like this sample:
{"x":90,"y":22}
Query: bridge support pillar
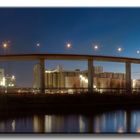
{"x":128,"y":77}
{"x":90,"y":75}
{"x":42,"y":75}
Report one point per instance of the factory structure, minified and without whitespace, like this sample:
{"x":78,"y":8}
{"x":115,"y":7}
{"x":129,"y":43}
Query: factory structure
{"x":60,"y":78}
{"x":6,"y":80}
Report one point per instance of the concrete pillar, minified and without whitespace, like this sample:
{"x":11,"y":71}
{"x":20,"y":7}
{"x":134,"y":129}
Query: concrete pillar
{"x":128,"y":77}
{"x":42,"y":75}
{"x":90,"y":75}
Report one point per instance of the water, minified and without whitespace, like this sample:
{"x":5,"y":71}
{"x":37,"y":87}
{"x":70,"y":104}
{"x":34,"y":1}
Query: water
{"x":119,"y":121}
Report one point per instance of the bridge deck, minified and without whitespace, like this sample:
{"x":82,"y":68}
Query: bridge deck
{"x":19,"y":57}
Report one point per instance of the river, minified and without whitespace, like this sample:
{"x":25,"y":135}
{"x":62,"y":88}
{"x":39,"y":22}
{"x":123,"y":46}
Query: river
{"x":117,"y":121}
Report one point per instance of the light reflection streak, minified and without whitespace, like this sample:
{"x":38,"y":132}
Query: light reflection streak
{"x":138,"y":130}
{"x":48,"y":123}
{"x":97,"y":124}
{"x":81,"y":124}
{"x":13,"y":125}
{"x":120,"y":129}
{"x":108,"y":122}
{"x":36,"y":125}
{"x":2,"y":126}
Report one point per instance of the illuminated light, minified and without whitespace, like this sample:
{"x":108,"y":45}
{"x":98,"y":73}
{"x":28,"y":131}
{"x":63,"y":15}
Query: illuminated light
{"x":19,"y":91}
{"x":70,"y":91}
{"x":101,"y":91}
{"x":38,"y":44}
{"x":119,"y":49}
{"x":83,"y":78}
{"x":48,"y":71}
{"x":80,"y":76}
{"x":94,"y":86}
{"x":69,"y":45}
{"x":51,"y":71}
{"x":86,"y":80}
{"x":138,"y":51}
{"x":61,"y":91}
{"x":13,"y":77}
{"x":134,"y":83}
{"x":96,"y":47}
{"x":3,"y":81}
{"x":5,"y":45}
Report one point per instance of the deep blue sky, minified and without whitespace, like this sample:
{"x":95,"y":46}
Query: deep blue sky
{"x":53,"y":27}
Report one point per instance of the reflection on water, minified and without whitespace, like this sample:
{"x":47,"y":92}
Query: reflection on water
{"x":135,"y":118}
{"x":119,"y":121}
{"x":111,"y":122}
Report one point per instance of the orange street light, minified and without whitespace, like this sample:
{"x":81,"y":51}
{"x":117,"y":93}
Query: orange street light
{"x":5,"y":45}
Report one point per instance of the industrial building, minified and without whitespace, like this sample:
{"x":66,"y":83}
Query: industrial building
{"x":61,"y":79}
{"x":8,"y":80}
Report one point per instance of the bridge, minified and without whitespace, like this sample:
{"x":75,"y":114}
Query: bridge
{"x":90,"y":62}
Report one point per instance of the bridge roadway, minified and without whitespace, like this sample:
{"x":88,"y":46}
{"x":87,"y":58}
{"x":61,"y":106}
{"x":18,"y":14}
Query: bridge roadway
{"x":89,"y":58}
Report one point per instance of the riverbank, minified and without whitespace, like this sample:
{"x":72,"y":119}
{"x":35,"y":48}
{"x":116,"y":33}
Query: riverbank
{"x":67,"y":102}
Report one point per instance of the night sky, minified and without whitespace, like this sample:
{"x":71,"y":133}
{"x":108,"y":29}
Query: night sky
{"x":109,"y":28}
